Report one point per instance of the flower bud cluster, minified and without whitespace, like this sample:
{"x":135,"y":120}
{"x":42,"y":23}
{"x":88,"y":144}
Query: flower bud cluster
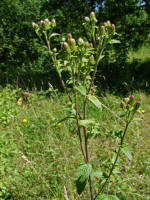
{"x":72,"y":45}
{"x":130,"y":104}
{"x":107,"y":28}
{"x":45,"y":24}
{"x":92,"y":18}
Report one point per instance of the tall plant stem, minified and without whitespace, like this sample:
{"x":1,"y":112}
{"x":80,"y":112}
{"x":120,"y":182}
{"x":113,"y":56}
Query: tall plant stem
{"x":114,"y":164}
{"x":86,"y":146}
{"x":78,"y":127}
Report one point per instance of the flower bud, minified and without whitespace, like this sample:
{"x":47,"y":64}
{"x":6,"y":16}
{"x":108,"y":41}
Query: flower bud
{"x":86,"y":44}
{"x":108,"y":23}
{"x":91,"y":45}
{"x":34,"y":25}
{"x":137,"y":105}
{"x":63,"y":39}
{"x":53,"y":22}
{"x":87,"y":19}
{"x":93,"y":18}
{"x":113,"y":28}
{"x":54,"y":50}
{"x":126,"y":100}
{"x":131,"y":99}
{"x":69,"y":35}
{"x":92,"y":60}
{"x":42,"y":22}
{"x":92,"y":15}
{"x":66,"y":46}
{"x":72,"y":43}
{"x":80,"y":41}
{"x":102,"y":30}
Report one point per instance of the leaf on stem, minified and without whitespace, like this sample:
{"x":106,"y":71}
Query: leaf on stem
{"x":95,"y":101}
{"x":81,"y":89}
{"x":87,"y":122}
{"x":83,"y":172}
{"x":53,"y":35}
{"x":127,"y":152}
{"x":113,"y":41}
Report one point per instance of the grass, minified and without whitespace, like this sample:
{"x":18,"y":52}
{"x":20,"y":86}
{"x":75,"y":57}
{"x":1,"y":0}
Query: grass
{"x":39,"y":155}
{"x":142,"y":54}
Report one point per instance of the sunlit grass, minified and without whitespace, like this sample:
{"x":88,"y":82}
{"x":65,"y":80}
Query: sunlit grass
{"x":39,"y":155}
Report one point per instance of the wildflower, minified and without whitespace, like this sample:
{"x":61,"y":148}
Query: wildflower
{"x":143,"y":111}
{"x":59,"y":124}
{"x":25,"y":120}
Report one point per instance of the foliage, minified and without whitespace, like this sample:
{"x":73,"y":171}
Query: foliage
{"x":80,"y":59}
{"x":52,"y":150}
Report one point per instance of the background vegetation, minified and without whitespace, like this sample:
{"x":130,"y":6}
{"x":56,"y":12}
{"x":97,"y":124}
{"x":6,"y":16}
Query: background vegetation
{"x":38,"y":151}
{"x":26,"y":64}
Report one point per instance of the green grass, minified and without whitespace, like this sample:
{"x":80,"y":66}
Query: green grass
{"x":39,"y":157}
{"x":142,"y":54}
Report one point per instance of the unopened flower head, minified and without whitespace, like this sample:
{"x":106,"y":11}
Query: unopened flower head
{"x":42,"y":22}
{"x":34,"y":25}
{"x":137,"y":105}
{"x":80,"y":41}
{"x":92,"y":15}
{"x":55,"y":50}
{"x":131,"y":99}
{"x":92,"y":60}
{"x":93,"y":18}
{"x":87,"y":44}
{"x":87,"y":19}
{"x":53,"y":22}
{"x":91,"y":45}
{"x":66,"y":46}
{"x":108,"y":23}
{"x":126,"y":100}
{"x":63,"y":39}
{"x":69,"y":35}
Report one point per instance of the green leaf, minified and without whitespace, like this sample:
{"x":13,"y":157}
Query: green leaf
{"x":95,"y":101}
{"x":113,"y":41}
{"x":81,"y":89}
{"x":83,"y":172}
{"x":127,"y":152}
{"x":100,"y":58}
{"x":97,"y":174}
{"x":87,"y":122}
{"x":53,"y":35}
{"x":107,"y":197}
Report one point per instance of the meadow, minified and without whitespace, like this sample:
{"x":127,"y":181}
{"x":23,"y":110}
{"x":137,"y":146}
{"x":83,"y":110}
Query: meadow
{"x":40,"y":153}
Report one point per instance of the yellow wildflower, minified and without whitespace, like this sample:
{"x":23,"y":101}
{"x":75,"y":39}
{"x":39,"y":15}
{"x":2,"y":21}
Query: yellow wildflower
{"x":142,"y":111}
{"x":25,"y":120}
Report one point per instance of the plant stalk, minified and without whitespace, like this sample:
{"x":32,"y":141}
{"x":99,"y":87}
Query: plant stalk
{"x":117,"y":156}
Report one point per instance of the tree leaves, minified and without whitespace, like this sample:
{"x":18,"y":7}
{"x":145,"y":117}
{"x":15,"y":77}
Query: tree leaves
{"x":83,"y":172}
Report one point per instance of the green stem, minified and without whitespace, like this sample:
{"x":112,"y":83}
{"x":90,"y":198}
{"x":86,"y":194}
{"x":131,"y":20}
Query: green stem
{"x":117,"y":156}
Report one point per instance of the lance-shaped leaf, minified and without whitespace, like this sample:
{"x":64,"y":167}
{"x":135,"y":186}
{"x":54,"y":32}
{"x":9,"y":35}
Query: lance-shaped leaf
{"x":95,"y":101}
{"x":113,"y":41}
{"x":107,"y":197}
{"x":53,"y":35}
{"x":83,"y":172}
{"x":127,"y":152}
{"x":81,"y":89}
{"x":87,"y":122}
